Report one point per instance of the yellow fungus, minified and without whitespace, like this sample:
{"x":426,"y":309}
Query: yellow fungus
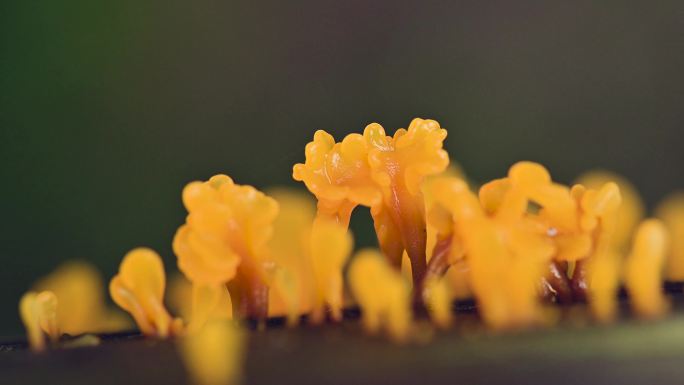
{"x":214,"y":355}
{"x":197,"y":303}
{"x":631,"y":210}
{"x":643,"y":269}
{"x":504,"y":250}
{"x":671,"y":212}
{"x":603,"y":280}
{"x":384,"y":173}
{"x":82,"y":307}
{"x":331,"y":245}
{"x":138,"y":288}
{"x":458,"y":276}
{"x":382,"y":294}
{"x":209,"y":302}
{"x":286,"y":296}
{"x":224,"y":240}
{"x":180,"y":296}
{"x":292,"y":282}
{"x":338,"y":174}
{"x":438,"y":297}
{"x":38,"y":312}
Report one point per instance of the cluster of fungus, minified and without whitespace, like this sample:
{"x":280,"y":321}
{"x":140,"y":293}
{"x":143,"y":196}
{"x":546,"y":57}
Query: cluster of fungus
{"x":515,"y":245}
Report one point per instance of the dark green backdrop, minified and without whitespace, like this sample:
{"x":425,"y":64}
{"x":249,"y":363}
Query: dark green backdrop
{"x":107,"y":110}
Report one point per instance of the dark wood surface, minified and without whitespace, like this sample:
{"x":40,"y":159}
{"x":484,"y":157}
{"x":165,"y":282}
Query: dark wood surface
{"x":574,"y":352}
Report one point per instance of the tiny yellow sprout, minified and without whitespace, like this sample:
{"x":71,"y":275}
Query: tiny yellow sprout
{"x":382,"y":294}
{"x":603,"y":281}
{"x":39,"y":314}
{"x":198,"y":303}
{"x":671,"y":212}
{"x":631,"y":210}
{"x":82,"y":308}
{"x":180,"y":296}
{"x":331,"y":245}
{"x":286,"y":296}
{"x":458,"y":276}
{"x":138,"y":288}
{"x":224,"y":240}
{"x":209,"y":302}
{"x":437,"y":296}
{"x":597,"y":221}
{"x":292,"y":281}
{"x":644,"y":267}
{"x":215,"y":354}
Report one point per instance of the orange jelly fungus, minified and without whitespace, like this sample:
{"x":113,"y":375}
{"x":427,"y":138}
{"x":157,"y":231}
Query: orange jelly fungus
{"x":224,"y":241}
{"x":505,"y":250}
{"x":382,"y":294}
{"x":381,"y":172}
{"x":644,"y":267}
{"x":214,"y":354}
{"x":38,"y":312}
{"x":671,"y":212}
{"x":331,"y":245}
{"x":309,"y":256}
{"x":82,"y":307}
{"x":293,"y":284}
{"x":631,"y":210}
{"x":138,"y":288}
{"x":438,"y":297}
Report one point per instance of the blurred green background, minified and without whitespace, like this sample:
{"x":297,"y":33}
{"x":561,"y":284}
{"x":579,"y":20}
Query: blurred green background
{"x":108,"y":108}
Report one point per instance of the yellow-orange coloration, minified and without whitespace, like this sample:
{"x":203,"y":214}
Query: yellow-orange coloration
{"x":180,"y":296}
{"x":438,"y":297}
{"x":382,"y":294}
{"x":603,"y":276}
{"x":458,"y":276}
{"x":598,"y":219}
{"x":214,"y":354}
{"x":138,"y":288}
{"x":79,"y":289}
{"x":330,"y":245}
{"x":384,"y":173}
{"x":671,"y":212}
{"x":398,"y":165}
{"x":338,"y":174}
{"x":38,"y":312}
{"x":505,"y":250}
{"x":292,"y":283}
{"x":224,"y":240}
{"x":209,"y":302}
{"x":644,"y":267}
{"x":631,"y":209}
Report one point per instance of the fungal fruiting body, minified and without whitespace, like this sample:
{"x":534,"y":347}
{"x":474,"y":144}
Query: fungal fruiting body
{"x":331,"y":245}
{"x":382,"y":295}
{"x":214,"y":354}
{"x":438,"y":297}
{"x":224,"y":241}
{"x":381,"y":172}
{"x":671,"y":212}
{"x":292,"y":284}
{"x":643,"y":269}
{"x":506,"y":254}
{"x":138,"y":288}
{"x":209,"y":302}
{"x":38,"y":312}
{"x":80,"y":292}
{"x":631,"y":210}
{"x":515,"y":245}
